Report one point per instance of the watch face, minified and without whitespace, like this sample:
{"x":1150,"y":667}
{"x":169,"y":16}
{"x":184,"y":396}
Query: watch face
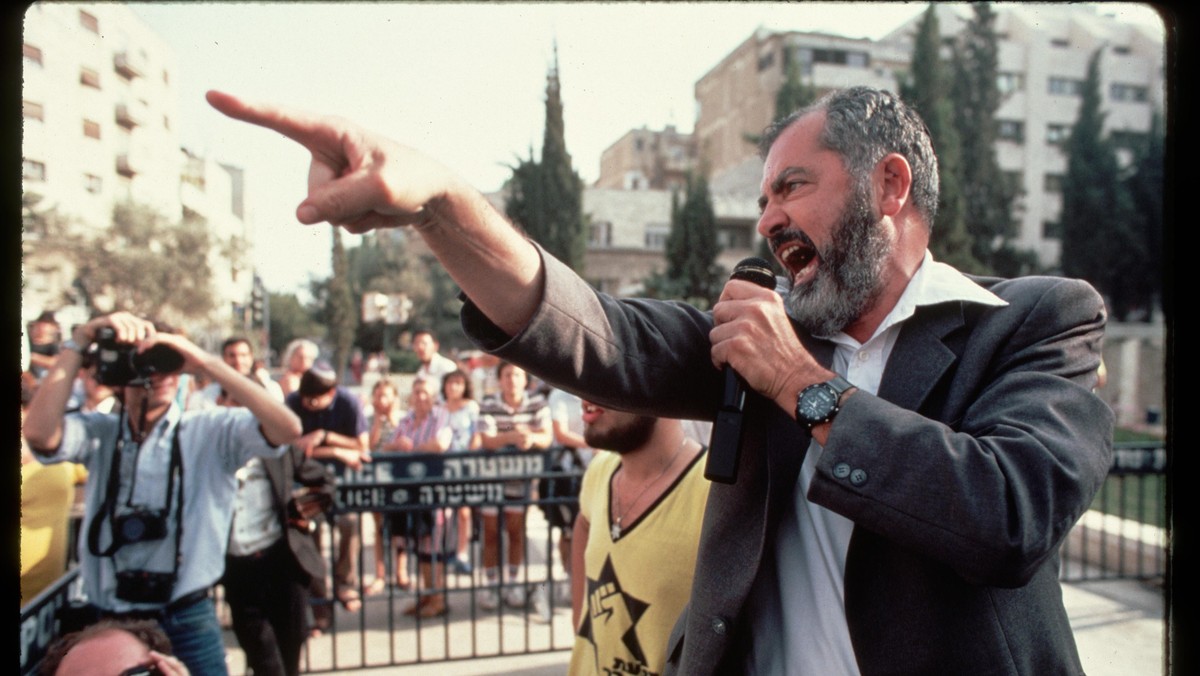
{"x":816,"y":403}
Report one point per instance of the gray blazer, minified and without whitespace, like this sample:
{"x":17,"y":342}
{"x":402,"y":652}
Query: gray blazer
{"x":982,"y":448}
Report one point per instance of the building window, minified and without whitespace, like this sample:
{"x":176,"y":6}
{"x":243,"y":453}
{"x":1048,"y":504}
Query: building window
{"x":1008,"y":83}
{"x":600,"y":234}
{"x":1051,"y":229}
{"x":766,"y":61}
{"x":89,"y":78}
{"x":33,"y":55}
{"x":91,"y":129}
{"x":1122,"y":50}
{"x":33,"y":111}
{"x":1057,"y":134}
{"x":92,"y":183}
{"x":733,"y":238}
{"x":166,"y":122}
{"x":32,"y":170}
{"x":89,"y":22}
{"x":656,"y":237}
{"x":1131,"y":140}
{"x":1011,"y":130}
{"x":1128,"y":92}
{"x":1053,"y":183}
{"x":1065,"y":86}
{"x":1060,"y":42}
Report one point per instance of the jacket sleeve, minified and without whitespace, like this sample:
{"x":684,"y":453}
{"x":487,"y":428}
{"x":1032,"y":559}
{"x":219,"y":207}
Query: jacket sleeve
{"x":993,"y":492}
{"x":630,"y":354}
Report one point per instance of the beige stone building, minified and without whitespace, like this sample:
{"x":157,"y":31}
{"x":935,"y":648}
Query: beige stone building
{"x":100,"y":111}
{"x":647,"y":159}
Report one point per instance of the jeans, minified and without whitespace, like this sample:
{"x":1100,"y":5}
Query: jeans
{"x":196,"y":638}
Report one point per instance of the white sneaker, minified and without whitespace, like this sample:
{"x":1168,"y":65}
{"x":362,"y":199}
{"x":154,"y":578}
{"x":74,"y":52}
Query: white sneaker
{"x":515,"y":596}
{"x":487,"y":599}
{"x":541,"y":605}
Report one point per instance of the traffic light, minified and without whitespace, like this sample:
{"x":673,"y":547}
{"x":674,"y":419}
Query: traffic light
{"x":256,"y":306}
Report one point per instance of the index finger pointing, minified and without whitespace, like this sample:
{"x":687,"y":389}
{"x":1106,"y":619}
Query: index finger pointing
{"x":296,"y":125}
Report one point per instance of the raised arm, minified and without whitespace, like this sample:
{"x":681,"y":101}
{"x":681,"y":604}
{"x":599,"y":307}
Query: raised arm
{"x":363,"y":181}
{"x":44,"y":420}
{"x":279,"y":424}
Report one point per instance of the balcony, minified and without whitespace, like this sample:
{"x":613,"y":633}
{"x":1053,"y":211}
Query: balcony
{"x":129,"y":116}
{"x":128,"y":165}
{"x":128,"y":65}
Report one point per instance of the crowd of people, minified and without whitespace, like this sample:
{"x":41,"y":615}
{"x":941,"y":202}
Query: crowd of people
{"x":270,"y":496}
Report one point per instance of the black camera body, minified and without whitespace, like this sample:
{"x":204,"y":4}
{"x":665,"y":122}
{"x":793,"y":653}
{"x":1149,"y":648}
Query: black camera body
{"x":120,"y":364}
{"x":144,"y":586}
{"x":141,"y":525}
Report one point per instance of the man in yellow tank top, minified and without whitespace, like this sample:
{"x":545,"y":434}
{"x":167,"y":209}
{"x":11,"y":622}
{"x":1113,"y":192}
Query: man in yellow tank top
{"x":635,"y":541}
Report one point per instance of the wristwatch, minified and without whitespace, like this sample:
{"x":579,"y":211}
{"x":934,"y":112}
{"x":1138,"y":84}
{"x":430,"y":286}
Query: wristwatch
{"x":818,"y":403}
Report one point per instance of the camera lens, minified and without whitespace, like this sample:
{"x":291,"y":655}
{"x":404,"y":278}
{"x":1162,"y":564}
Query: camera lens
{"x":133,"y":529}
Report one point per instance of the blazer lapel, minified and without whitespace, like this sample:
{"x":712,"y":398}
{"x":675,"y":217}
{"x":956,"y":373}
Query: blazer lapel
{"x":934,"y":343}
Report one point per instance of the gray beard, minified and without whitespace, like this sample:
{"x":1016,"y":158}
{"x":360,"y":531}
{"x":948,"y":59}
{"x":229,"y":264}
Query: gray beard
{"x":849,"y":278}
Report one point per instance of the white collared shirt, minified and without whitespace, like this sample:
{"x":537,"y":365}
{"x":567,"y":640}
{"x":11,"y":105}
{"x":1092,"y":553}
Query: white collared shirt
{"x":799,"y":618}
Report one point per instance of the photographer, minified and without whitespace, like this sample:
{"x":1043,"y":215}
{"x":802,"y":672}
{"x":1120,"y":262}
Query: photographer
{"x":160,"y":481}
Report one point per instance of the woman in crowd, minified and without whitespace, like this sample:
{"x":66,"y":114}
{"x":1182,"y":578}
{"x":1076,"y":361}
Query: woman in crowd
{"x":423,"y":429}
{"x":463,"y":417}
{"x":297,"y":358}
{"x":385,"y":403}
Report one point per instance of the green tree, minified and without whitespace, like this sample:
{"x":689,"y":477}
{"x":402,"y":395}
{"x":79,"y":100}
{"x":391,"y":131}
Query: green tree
{"x":692,"y":273}
{"x":988,"y":194}
{"x":794,"y":94}
{"x":138,"y":263}
{"x":1146,"y":186}
{"x":341,"y":310}
{"x":1100,"y":241}
{"x":546,"y":198}
{"x":926,"y":89}
{"x":290,"y":320}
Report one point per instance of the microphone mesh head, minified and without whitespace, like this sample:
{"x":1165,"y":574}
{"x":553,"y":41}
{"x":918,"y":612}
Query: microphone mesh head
{"x":755,"y":270}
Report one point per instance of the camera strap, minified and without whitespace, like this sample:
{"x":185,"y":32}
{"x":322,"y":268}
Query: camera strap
{"x":108,"y":509}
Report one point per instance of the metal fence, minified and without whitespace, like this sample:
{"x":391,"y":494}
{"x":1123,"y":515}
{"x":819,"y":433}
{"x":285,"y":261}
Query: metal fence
{"x":1122,"y":536}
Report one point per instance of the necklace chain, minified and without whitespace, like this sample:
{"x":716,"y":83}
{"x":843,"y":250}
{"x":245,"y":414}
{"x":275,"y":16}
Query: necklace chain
{"x":616,"y":525}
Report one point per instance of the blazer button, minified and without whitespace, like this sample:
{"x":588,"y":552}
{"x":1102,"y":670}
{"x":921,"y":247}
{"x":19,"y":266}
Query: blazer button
{"x":858,"y":477}
{"x":718,"y":626}
{"x":841,"y":470}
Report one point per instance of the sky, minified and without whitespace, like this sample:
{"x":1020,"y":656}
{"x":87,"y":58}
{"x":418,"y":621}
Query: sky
{"x":464,"y":83}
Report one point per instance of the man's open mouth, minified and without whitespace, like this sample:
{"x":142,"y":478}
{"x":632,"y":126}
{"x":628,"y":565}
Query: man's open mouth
{"x":795,"y":251}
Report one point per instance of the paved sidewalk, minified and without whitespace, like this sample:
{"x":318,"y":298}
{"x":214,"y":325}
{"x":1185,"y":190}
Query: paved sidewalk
{"x":1119,"y":627}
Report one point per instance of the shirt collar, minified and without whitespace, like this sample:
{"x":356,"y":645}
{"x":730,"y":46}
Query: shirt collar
{"x":932,"y":284}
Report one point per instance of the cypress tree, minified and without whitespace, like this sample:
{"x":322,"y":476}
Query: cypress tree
{"x":926,"y":89}
{"x":987,"y":193}
{"x":692,"y":245}
{"x":1100,"y":240}
{"x":341,"y":310}
{"x":546,"y":198}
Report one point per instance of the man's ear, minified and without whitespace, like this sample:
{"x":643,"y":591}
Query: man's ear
{"x":893,"y":180}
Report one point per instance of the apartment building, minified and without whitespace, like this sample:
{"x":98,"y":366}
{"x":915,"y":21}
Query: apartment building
{"x":1043,"y":57}
{"x":648,"y":159}
{"x":100,"y":106}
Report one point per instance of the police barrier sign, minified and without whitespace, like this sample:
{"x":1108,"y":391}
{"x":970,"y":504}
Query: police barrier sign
{"x":39,"y":620}
{"x":400,"y":480}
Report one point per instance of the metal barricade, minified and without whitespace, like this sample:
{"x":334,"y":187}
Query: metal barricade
{"x":430,"y":488}
{"x":1123,"y":535}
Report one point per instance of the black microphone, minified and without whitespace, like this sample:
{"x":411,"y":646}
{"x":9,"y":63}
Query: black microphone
{"x":726,"y":440}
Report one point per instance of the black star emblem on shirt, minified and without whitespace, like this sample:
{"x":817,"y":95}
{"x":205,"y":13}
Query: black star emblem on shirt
{"x":602,"y":593}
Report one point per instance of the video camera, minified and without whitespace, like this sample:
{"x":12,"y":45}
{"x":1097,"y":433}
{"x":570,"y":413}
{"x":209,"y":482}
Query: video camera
{"x":120,"y":364}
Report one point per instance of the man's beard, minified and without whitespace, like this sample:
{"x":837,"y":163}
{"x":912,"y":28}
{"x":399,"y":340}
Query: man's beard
{"x":849,"y":277}
{"x":621,"y":439}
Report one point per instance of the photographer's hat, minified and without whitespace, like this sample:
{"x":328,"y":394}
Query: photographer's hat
{"x":318,"y":380}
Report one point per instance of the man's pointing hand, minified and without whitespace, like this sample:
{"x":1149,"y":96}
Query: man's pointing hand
{"x":357,"y":179}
